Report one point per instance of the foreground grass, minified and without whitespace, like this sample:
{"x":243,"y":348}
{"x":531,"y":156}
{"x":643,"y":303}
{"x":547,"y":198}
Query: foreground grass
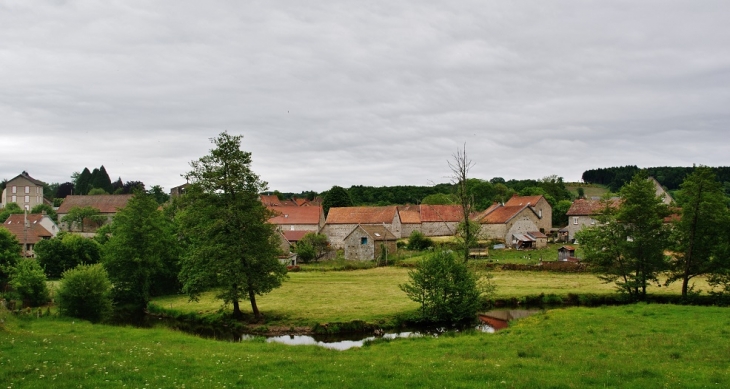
{"x":635,"y":346}
{"x":373,"y":295}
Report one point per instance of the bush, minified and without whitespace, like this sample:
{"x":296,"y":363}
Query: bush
{"x":29,"y":282}
{"x":418,"y":241}
{"x":85,"y":293}
{"x":445,"y":287}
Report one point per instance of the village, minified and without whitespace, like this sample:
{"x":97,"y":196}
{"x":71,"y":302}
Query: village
{"x":359,"y":232}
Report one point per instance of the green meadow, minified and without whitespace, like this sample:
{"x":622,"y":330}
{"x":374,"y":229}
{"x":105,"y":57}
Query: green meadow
{"x":632,"y":346}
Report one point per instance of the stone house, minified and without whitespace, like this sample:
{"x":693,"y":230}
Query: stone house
{"x":539,"y":205}
{"x":431,"y":220}
{"x":342,"y":220}
{"x":30,"y":229}
{"x":25,"y":191}
{"x":583,"y":213}
{"x":364,"y":242}
{"x":106,"y":204}
{"x":295,"y":218}
{"x":501,"y":222}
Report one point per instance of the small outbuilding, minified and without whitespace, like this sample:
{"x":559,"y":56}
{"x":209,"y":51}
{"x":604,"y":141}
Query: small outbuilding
{"x":364,"y":242}
{"x":529,"y":240}
{"x":567,"y":253}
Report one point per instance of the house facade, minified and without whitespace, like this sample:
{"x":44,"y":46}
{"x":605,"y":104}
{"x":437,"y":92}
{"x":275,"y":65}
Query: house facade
{"x":367,"y":242}
{"x":342,"y":220}
{"x":23,"y":190}
{"x":30,"y":229}
{"x":518,"y":216}
{"x":582,"y":213}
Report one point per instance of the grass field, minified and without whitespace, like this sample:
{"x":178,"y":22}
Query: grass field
{"x":633,"y":346}
{"x":373,"y":295}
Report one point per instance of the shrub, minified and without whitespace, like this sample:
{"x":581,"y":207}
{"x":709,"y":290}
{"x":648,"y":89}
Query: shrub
{"x":85,"y":293}
{"x":446,"y":289}
{"x":418,"y":241}
{"x":29,"y":282}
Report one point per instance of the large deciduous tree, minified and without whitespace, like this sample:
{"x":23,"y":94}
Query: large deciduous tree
{"x":628,"y":246}
{"x":141,"y":249}
{"x":230,"y":244}
{"x":695,"y":235}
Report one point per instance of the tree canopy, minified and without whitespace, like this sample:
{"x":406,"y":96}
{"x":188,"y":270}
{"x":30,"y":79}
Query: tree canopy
{"x":230,"y":245}
{"x":337,"y":196}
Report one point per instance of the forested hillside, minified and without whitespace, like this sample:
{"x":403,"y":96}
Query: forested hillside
{"x":670,"y":177}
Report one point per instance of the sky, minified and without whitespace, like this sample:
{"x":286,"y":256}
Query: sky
{"x":374,"y":92}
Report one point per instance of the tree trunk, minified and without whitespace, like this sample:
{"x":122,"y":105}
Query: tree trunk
{"x":254,"y":308}
{"x":237,"y":314}
{"x":685,"y":282}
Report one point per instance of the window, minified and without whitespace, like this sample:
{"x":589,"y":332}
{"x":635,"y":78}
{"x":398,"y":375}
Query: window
{"x":575,"y":220}
{"x":540,"y":214}
{"x":15,"y":189}
{"x":27,"y":189}
{"x":14,"y":199}
{"x":364,"y":240}
{"x":27,"y":199}
{"x":27,"y":207}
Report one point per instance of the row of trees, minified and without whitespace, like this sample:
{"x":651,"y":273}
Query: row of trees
{"x":633,"y":245}
{"x":670,"y":177}
{"x":214,"y":237}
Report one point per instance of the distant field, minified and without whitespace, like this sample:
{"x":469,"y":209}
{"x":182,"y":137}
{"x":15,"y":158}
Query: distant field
{"x":373,"y":294}
{"x":590,"y":190}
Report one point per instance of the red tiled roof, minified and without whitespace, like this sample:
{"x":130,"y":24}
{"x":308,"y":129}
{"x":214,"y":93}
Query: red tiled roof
{"x":300,"y":202}
{"x":292,"y":214}
{"x":270,"y":200}
{"x":409,"y":214}
{"x":36,"y":232}
{"x":502,"y":214}
{"x":361,"y":215}
{"x":441,"y":213}
{"x":294,"y":236}
{"x":104,"y":203}
{"x":523,"y":200}
{"x":588,"y":207}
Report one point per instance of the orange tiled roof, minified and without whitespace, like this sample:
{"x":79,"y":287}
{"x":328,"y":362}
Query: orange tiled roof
{"x":441,"y":213}
{"x":502,"y":214}
{"x":300,"y":202}
{"x":292,"y":214}
{"x":36,"y":232}
{"x":270,"y":200}
{"x":294,"y":236}
{"x":104,"y":203}
{"x":523,"y":200}
{"x":587,"y":207}
{"x":361,"y":215}
{"x":409,"y":214}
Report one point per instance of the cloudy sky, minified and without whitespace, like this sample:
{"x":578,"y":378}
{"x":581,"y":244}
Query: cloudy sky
{"x":362,"y":92}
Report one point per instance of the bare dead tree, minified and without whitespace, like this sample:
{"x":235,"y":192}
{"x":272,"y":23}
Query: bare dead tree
{"x":460,"y":166}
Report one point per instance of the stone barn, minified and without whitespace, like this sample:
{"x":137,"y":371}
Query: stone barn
{"x":364,"y":242}
{"x":342,"y":220}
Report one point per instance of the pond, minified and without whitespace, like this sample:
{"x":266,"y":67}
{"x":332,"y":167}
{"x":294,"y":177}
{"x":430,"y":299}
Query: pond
{"x":489,"y":322}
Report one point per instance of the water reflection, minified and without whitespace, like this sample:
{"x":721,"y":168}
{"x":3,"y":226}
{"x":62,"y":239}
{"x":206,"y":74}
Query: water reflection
{"x":341,"y":345}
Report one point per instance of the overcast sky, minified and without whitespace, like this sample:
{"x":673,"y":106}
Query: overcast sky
{"x":362,"y":92}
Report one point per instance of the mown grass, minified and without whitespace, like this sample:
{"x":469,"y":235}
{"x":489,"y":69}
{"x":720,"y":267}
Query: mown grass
{"x":634,"y":346}
{"x":373,"y":295}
